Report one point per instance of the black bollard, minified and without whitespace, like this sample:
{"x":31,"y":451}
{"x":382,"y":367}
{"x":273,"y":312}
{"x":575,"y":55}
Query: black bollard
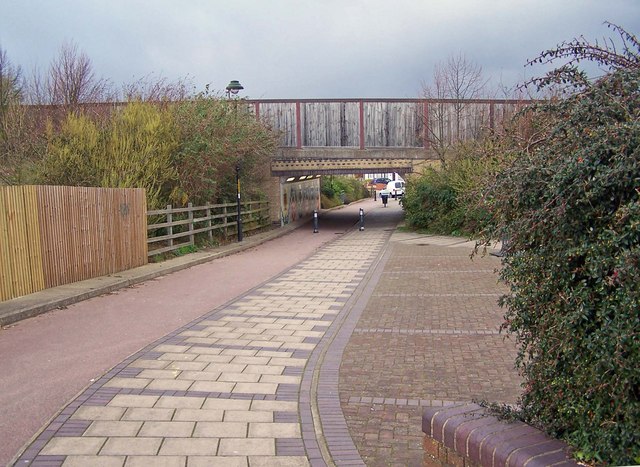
{"x":361,"y":219}
{"x":315,"y":221}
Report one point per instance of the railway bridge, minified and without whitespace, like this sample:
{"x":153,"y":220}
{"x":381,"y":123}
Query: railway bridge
{"x":346,"y":136}
{"x":356,"y":136}
{"x":363,"y":136}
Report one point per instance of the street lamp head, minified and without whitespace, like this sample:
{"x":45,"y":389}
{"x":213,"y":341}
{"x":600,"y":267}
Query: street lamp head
{"x":234,"y":87}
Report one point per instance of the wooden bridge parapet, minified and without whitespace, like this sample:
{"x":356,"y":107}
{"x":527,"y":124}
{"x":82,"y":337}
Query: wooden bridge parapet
{"x":380,"y":123}
{"x":327,"y":136}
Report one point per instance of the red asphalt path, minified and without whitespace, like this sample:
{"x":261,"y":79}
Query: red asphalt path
{"x":47,"y":360}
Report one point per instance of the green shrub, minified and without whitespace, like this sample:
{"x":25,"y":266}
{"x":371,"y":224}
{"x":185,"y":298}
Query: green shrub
{"x":429,"y":203}
{"x":134,"y":149}
{"x":328,"y":203}
{"x":446,"y":200}
{"x":182,"y":152}
{"x":337,"y":190}
{"x":185,"y":250}
{"x":215,"y":137}
{"x":570,"y":208}
{"x":21,"y":144}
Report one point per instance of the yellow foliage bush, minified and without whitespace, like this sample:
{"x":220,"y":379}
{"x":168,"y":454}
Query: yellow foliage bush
{"x":134,"y":149}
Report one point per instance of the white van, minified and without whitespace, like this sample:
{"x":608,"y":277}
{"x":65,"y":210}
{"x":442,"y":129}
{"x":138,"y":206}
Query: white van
{"x":395,"y":188}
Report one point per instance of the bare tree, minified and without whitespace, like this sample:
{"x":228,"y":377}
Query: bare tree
{"x":11,"y":82}
{"x":454,"y":82}
{"x":610,"y":53}
{"x":19,"y":144}
{"x":36,"y":88}
{"x":10,"y":92}
{"x":71,"y":80}
{"x":157,"y":89}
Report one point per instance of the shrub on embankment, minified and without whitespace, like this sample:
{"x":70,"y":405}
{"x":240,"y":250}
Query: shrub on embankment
{"x":133,"y":149}
{"x":338,"y":190}
{"x":216,"y":136}
{"x":444,"y":199}
{"x":569,"y":206}
{"x":179,"y":152}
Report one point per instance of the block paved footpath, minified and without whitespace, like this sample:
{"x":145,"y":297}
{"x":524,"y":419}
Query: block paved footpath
{"x":326,"y":364}
{"x":427,"y":336}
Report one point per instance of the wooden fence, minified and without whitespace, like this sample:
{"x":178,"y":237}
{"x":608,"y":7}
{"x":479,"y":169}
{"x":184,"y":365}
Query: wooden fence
{"x":173,"y":228}
{"x":381,"y":123}
{"x":55,"y":235}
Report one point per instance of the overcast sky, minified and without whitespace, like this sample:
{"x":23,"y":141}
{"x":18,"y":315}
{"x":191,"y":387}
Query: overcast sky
{"x":303,"y":48}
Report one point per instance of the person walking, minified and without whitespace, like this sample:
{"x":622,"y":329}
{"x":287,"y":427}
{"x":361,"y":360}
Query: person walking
{"x":384,"y":196}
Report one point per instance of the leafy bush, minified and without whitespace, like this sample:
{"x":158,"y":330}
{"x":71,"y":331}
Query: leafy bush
{"x":431,"y":203}
{"x":216,"y":136}
{"x":570,"y":208}
{"x":134,"y":149}
{"x":337,"y":190}
{"x":187,"y":151}
{"x":328,"y":203}
{"x":447,"y":199}
{"x":19,"y":145}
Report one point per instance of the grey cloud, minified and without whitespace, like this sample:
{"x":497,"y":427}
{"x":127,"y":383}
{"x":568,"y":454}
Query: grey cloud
{"x":290,"y":48}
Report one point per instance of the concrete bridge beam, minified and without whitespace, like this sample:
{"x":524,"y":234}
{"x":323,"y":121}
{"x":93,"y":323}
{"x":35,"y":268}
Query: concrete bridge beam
{"x":332,"y":161}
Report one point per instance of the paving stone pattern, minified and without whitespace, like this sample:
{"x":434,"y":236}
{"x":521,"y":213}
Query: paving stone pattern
{"x":240,"y":386}
{"x":330,"y":363}
{"x":427,"y":336}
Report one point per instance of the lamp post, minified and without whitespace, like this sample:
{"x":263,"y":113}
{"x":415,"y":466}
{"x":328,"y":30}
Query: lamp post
{"x":234,"y":87}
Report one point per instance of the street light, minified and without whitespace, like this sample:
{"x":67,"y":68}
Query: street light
{"x":234,"y":87}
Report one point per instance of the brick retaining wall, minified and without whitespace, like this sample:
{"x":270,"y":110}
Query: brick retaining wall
{"x":466,"y":435}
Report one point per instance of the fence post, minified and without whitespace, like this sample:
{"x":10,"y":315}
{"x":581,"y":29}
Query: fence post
{"x":239,"y":206}
{"x":170,"y":227}
{"x":266,"y":214}
{"x":210,"y":230}
{"x":191,"y":237}
{"x":226,"y":220}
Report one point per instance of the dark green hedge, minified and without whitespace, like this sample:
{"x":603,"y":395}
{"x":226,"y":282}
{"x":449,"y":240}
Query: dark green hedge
{"x":571,"y":210}
{"x":444,"y":200}
{"x":338,"y":190}
{"x":432,"y":204}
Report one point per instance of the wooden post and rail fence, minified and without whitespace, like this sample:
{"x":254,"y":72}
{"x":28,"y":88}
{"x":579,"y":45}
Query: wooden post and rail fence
{"x":171,"y":226}
{"x":56,"y":235}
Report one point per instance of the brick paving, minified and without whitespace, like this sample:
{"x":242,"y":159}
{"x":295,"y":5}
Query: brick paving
{"x":329,"y":363}
{"x":428,"y":335}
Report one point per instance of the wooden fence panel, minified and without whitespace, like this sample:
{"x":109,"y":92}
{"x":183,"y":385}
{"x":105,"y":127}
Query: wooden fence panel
{"x":6,"y":288}
{"x":330,"y":124}
{"x":282,"y":117}
{"x":89,"y":232}
{"x":54,"y":235}
{"x":21,"y":265}
{"x":33,"y":238}
{"x":385,"y":122}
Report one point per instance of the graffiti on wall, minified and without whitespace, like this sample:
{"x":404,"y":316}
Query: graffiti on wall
{"x":299,"y":199}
